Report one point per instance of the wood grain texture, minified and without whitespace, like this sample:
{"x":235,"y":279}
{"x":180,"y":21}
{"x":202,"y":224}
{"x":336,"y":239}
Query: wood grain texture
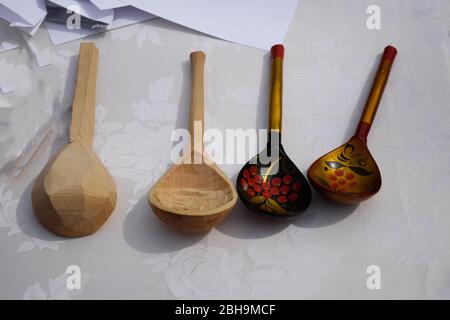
{"x":74,"y":194}
{"x":194,"y":197}
{"x":197,"y":110}
{"x":83,"y":107}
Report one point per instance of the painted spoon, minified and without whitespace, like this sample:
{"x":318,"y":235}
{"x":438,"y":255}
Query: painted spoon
{"x":74,"y":194}
{"x":270,"y":183}
{"x":194,"y":195}
{"x":349,"y":174}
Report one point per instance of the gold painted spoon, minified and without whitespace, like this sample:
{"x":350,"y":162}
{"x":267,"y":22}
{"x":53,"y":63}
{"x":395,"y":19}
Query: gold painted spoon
{"x":349,"y":174}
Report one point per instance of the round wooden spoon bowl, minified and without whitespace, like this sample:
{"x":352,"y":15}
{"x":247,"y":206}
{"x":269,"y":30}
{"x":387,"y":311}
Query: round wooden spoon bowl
{"x":193,"y":198}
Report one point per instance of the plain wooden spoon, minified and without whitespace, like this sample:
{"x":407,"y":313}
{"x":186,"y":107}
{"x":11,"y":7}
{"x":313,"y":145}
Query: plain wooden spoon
{"x":194,"y":196}
{"x":74,"y":194}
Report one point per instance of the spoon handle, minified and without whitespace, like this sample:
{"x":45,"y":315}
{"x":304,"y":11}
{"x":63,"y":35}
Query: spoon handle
{"x":196,"y":115}
{"x":376,"y":92}
{"x":83,"y":108}
{"x":276,"y":90}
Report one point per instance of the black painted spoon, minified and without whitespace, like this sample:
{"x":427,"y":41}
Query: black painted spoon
{"x":270,"y":183}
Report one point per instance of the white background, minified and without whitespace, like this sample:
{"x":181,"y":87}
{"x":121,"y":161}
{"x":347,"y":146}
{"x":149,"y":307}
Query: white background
{"x":143,"y":94}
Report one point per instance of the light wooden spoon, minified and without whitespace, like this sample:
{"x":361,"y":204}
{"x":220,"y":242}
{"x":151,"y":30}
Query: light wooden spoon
{"x":194,"y":196}
{"x":74,"y":194}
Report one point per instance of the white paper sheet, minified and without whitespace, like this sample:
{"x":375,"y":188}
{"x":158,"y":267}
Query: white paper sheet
{"x":87,"y":9}
{"x":26,"y":15}
{"x":9,"y":38}
{"x":108,"y":4}
{"x":11,"y":17}
{"x":123,"y":16}
{"x":256,"y":23}
{"x":31,"y":11}
{"x":41,"y":60}
{"x":33,"y":29}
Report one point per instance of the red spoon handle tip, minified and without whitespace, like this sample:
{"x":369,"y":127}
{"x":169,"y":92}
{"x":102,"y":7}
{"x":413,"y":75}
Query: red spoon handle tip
{"x":389,"y":53}
{"x":277,"y":51}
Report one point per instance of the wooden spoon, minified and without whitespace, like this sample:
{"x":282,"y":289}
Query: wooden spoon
{"x":194,"y":195}
{"x":74,"y":194}
{"x":270,"y":184}
{"x":349,"y":173}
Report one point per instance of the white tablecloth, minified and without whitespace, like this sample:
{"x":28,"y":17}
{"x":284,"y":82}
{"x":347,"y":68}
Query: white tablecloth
{"x":143,"y":94}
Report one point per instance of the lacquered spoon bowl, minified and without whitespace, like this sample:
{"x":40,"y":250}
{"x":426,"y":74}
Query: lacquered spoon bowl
{"x":74,"y":194}
{"x":349,"y":173}
{"x":270,"y":184}
{"x":194,"y":195}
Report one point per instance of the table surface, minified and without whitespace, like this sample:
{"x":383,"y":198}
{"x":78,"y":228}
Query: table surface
{"x":143,"y":94}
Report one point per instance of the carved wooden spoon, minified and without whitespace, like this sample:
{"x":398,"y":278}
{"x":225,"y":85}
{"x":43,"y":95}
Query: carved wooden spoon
{"x":194,"y":195}
{"x":74,"y":194}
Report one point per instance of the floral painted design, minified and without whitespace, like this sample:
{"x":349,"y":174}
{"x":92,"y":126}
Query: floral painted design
{"x":269,"y":193}
{"x":277,"y":188}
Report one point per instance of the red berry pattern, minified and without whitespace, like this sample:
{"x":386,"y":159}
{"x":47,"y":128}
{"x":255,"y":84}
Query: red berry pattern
{"x":287,"y":179}
{"x":266,"y":194}
{"x":293,"y":196}
{"x":340,"y":180}
{"x":276,"y":181}
{"x":282,"y":189}
{"x":339,"y":172}
{"x":275,"y":191}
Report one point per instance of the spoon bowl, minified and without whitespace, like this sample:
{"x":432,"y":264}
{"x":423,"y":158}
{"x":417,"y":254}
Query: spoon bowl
{"x":349,"y":174}
{"x":192,"y":198}
{"x":277,"y":189}
{"x":74,"y":194}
